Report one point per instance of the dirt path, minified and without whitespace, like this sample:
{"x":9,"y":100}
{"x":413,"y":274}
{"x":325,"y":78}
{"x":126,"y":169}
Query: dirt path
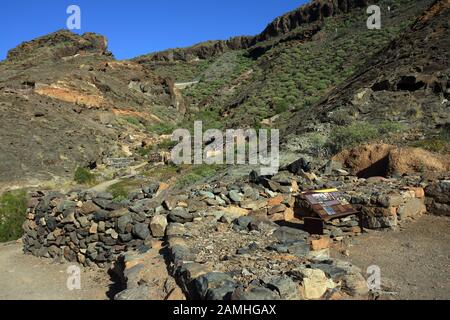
{"x":25,"y":277}
{"x":414,"y":262}
{"x":105,"y":185}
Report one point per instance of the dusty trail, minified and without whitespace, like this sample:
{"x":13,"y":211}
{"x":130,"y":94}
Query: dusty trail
{"x":414,"y":262}
{"x":25,"y":277}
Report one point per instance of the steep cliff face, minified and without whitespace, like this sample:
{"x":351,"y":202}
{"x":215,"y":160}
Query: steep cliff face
{"x":309,"y":13}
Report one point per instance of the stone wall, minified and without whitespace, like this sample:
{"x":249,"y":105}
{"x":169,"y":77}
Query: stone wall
{"x":89,"y":228}
{"x":438,"y":198}
{"x":92,"y":228}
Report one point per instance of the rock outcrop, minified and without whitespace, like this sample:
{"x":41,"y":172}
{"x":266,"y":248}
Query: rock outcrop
{"x":60,"y":44}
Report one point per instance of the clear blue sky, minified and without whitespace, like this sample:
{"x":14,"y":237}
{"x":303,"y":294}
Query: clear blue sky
{"x":136,"y":27}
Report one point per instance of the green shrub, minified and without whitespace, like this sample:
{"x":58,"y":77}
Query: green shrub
{"x":280,"y":105}
{"x":198,"y":173}
{"x":122,"y":189}
{"x":162,"y":128}
{"x":361,"y":132}
{"x":352,"y":135}
{"x":84,"y":176}
{"x":13,"y":206}
{"x":389,"y":127}
{"x":133,"y":121}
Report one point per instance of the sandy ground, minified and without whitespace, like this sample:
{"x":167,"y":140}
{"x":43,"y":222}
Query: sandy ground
{"x":24,"y":277}
{"x":414,"y":262}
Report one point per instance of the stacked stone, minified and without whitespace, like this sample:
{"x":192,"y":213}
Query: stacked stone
{"x":309,"y":273}
{"x":89,"y":228}
{"x":387,"y":208}
{"x":438,"y":198}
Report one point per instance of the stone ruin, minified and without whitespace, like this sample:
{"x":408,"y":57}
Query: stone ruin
{"x":228,"y":241}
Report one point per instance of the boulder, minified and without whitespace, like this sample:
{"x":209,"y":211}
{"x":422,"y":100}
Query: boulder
{"x":314,"y":282}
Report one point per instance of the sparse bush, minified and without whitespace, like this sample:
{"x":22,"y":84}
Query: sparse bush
{"x":133,"y":121}
{"x":122,"y":189}
{"x":84,"y":176}
{"x":198,"y":173}
{"x":318,"y":141}
{"x":434,"y":145}
{"x":361,"y":132}
{"x":350,"y":136}
{"x":389,"y":127}
{"x":161,"y":128}
{"x":13,"y":206}
{"x":280,"y":105}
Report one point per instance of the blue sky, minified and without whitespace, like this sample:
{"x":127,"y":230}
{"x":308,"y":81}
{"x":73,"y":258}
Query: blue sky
{"x":136,"y":27}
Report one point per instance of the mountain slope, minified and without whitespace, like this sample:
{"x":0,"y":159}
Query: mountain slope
{"x":407,"y":84}
{"x":297,"y":59}
{"x":65,"y":102}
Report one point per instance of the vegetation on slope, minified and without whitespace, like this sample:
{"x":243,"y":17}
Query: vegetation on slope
{"x":13,"y":206}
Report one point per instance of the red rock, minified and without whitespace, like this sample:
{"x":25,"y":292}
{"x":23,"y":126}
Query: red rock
{"x":275,"y":201}
{"x":320,"y":243}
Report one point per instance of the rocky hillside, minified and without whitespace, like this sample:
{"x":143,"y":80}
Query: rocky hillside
{"x":401,"y":94}
{"x":298,"y":58}
{"x":66,"y":102}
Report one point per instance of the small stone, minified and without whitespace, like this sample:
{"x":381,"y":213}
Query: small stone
{"x":235,"y":196}
{"x":355,"y":285}
{"x":277,"y":209}
{"x":84,"y":221}
{"x":213,"y":280}
{"x":125,"y":237}
{"x":255,"y":294}
{"x":158,"y":226}
{"x":141,"y":231}
{"x":286,"y":287}
{"x":112,"y":233}
{"x":275,"y":201}
{"x":207,"y":194}
{"x":314,"y":282}
{"x":175,"y":229}
{"x":235,"y":211}
{"x":289,"y":214}
{"x":101,"y":226}
{"x":319,"y":243}
{"x":287,"y":234}
{"x":94,"y":228}
{"x":123,"y":221}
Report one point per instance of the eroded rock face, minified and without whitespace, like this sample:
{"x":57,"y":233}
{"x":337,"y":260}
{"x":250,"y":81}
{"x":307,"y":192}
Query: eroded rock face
{"x":309,"y":13}
{"x":384,"y":160}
